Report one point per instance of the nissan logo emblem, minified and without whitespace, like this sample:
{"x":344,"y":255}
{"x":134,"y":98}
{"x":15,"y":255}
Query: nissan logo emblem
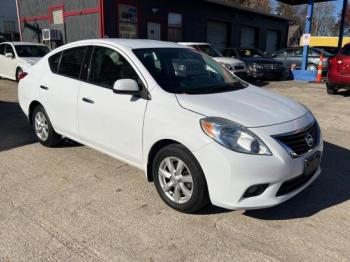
{"x":309,"y":140}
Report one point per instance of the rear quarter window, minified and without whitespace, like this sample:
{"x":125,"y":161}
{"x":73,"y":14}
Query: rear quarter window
{"x":54,"y":62}
{"x":71,"y":62}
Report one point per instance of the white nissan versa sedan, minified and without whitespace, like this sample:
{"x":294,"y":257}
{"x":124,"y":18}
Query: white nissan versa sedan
{"x":198,"y":132}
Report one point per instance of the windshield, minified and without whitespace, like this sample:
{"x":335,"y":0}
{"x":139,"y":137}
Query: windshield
{"x":183,"y":70}
{"x":31,"y":50}
{"x":209,"y":50}
{"x":249,"y":52}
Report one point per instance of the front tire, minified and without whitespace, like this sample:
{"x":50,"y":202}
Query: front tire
{"x":331,"y":90}
{"x":179,"y":179}
{"x":43,"y":128}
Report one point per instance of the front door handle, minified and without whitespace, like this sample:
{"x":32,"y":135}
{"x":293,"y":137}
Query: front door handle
{"x":87,"y":100}
{"x":44,"y":87}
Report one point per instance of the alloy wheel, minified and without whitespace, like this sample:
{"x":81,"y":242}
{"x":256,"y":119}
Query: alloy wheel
{"x":41,"y":126}
{"x":175,"y":180}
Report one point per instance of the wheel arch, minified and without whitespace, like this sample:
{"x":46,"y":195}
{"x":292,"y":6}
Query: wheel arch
{"x":32,"y":106}
{"x":152,"y":153}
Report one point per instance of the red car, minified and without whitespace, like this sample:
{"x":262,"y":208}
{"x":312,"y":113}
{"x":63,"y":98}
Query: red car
{"x":339,"y":71}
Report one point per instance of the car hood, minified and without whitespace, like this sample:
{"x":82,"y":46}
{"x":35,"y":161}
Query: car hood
{"x":250,"y":60}
{"x":31,"y":60}
{"x":227,"y":60}
{"x":250,"y":107}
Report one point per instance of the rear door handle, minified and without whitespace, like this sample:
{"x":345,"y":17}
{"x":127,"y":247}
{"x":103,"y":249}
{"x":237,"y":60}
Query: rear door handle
{"x":44,"y":87}
{"x":87,"y":100}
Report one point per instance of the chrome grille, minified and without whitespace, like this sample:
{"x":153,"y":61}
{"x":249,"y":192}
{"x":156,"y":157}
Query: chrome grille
{"x":299,"y":142}
{"x":272,"y":66}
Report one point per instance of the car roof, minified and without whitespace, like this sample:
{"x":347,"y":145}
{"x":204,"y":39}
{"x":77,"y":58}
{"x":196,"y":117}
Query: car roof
{"x":193,"y":43}
{"x":127,"y":43}
{"x":23,"y":43}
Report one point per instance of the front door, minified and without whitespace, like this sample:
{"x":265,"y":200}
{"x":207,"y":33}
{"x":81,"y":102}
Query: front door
{"x":2,"y":59}
{"x":153,"y":31}
{"x":111,"y":122}
{"x":10,"y":63}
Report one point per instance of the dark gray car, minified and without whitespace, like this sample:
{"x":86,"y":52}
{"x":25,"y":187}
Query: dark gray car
{"x":293,"y":56}
{"x":258,"y":64}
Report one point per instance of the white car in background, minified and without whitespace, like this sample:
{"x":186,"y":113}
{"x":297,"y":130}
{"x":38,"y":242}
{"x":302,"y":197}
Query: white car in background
{"x":15,"y":57}
{"x":195,"y":129}
{"x":234,"y":65}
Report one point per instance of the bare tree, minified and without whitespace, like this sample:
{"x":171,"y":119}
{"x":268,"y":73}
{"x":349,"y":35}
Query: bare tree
{"x":323,"y":19}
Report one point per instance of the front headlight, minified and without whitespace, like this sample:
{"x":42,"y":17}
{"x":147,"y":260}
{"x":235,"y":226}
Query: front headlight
{"x":233,"y":136}
{"x":255,"y":66}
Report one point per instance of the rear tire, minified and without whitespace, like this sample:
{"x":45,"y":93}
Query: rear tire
{"x":43,"y":128}
{"x":18,"y":71}
{"x":179,"y":179}
{"x":331,"y":90}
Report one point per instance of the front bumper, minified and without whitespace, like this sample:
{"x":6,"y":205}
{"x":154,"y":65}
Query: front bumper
{"x":230,"y":174}
{"x":268,"y":74}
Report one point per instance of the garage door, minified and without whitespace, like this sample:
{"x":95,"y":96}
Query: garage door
{"x":248,"y":36}
{"x":271,"y":40}
{"x":217,"y":34}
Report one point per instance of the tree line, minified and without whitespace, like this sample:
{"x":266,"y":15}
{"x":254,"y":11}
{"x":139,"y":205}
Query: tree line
{"x":325,"y":20}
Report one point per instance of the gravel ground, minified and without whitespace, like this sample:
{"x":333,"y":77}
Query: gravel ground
{"x":72,"y":203}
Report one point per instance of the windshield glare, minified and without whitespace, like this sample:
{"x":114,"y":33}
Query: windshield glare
{"x":31,"y":50}
{"x":183,"y":70}
{"x":250,"y":52}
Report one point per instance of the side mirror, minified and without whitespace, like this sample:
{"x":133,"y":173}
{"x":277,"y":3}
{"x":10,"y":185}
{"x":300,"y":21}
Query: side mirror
{"x":126,"y":87}
{"x":9,"y":55}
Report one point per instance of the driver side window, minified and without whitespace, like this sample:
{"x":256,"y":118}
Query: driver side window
{"x":107,"y":66}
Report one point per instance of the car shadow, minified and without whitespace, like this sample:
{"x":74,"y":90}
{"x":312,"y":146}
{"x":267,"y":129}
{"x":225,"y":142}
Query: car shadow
{"x":15,"y":130}
{"x":345,"y":93}
{"x":330,"y":189}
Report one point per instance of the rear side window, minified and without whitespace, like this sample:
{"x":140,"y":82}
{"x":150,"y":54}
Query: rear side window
{"x":71,"y":62}
{"x":346,"y":50}
{"x":54,"y":61}
{"x":108,"y":66}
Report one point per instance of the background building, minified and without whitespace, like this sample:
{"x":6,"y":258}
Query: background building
{"x":8,"y":20}
{"x":219,"y":23}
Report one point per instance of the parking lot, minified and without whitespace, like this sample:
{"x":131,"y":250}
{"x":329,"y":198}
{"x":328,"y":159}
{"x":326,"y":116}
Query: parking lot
{"x":72,"y":203}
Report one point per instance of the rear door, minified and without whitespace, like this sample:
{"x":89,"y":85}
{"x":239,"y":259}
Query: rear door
{"x":111,"y":122}
{"x":59,"y":89}
{"x":293,"y":58}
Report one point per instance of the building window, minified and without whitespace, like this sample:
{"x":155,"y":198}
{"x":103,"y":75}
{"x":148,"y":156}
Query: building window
{"x":127,"y":21}
{"x":174,"y":27}
{"x":57,"y":17}
{"x":9,"y":26}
